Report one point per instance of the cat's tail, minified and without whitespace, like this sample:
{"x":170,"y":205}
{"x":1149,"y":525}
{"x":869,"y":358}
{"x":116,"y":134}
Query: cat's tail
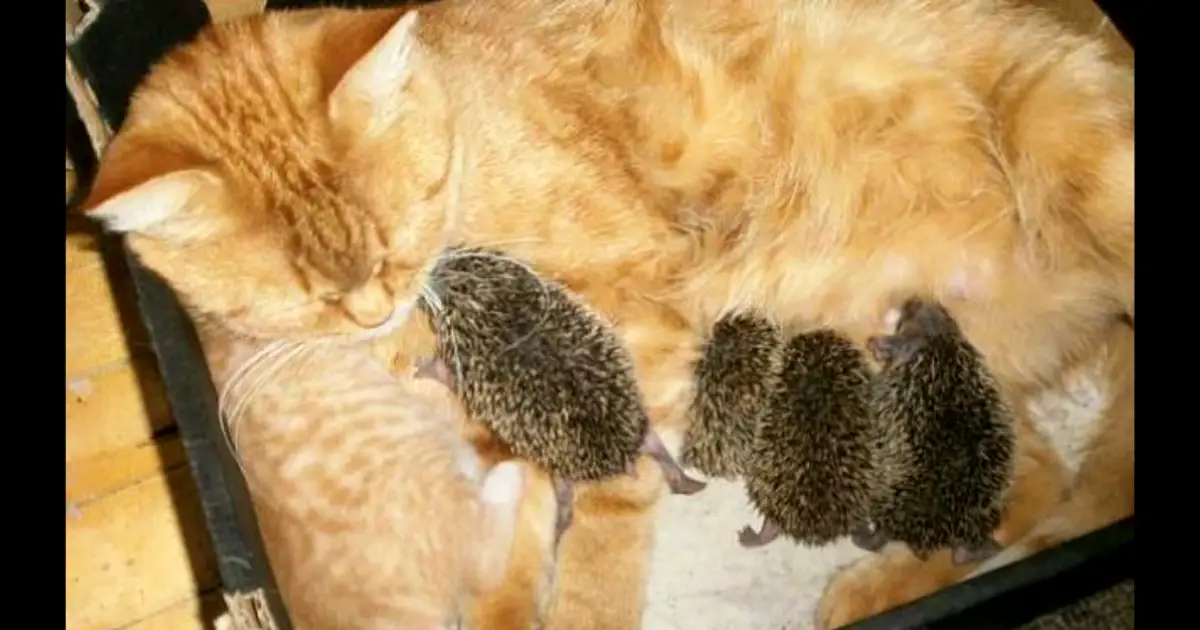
{"x":1102,"y":491}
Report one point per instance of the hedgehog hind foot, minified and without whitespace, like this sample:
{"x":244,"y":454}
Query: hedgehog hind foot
{"x":564,"y":495}
{"x":765,"y":535}
{"x":678,"y":480}
{"x":976,"y":552}
{"x":868,"y":537}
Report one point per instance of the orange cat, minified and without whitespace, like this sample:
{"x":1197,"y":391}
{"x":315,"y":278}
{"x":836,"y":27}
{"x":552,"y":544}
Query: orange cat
{"x":519,"y":599}
{"x":292,"y":176}
{"x":375,"y":510}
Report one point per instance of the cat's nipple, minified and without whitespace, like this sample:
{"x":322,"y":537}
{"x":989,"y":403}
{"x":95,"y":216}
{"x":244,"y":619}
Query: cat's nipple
{"x":968,"y":281}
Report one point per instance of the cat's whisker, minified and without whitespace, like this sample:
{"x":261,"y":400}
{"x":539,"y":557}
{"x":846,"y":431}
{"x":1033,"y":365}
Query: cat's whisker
{"x":229,"y":404}
{"x":458,"y":375}
{"x":293,"y":352}
{"x":261,"y":373}
{"x":431,"y":298}
{"x":233,"y":421}
{"x":265,"y":373}
{"x":229,"y":395}
{"x":229,"y":392}
{"x":246,"y":366}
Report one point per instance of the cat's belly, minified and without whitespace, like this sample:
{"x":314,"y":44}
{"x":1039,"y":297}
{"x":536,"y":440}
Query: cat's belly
{"x":1029,"y":324}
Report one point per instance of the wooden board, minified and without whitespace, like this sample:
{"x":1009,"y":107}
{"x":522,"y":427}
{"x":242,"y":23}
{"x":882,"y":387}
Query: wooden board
{"x":101,"y":316}
{"x":96,"y":477}
{"x":114,"y":409}
{"x":195,"y":613}
{"x":135,"y":552}
{"x":222,"y":10}
{"x":138,"y":557}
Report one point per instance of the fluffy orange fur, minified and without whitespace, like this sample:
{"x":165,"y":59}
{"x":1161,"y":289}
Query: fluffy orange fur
{"x":375,"y":510}
{"x":518,"y":600}
{"x":293,"y":175}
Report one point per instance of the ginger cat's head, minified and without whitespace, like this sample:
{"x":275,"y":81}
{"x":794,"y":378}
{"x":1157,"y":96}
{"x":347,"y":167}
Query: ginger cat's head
{"x":255,"y":173}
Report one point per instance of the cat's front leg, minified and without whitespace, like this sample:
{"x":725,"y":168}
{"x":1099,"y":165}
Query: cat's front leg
{"x":602,"y":568}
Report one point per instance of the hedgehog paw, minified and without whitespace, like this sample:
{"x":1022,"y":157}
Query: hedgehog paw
{"x":748,"y":538}
{"x":766,"y":534}
{"x":868,"y":537}
{"x":678,"y":480}
{"x":564,"y":495}
{"x":971,"y":554}
{"x":683,"y":484}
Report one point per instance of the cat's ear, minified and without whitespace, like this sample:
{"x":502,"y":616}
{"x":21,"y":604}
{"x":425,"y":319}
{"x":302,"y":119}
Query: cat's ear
{"x":371,"y":91}
{"x":144,"y":188}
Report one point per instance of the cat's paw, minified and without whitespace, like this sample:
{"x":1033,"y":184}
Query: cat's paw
{"x":878,"y":583}
{"x":850,"y":597}
{"x":503,"y":484}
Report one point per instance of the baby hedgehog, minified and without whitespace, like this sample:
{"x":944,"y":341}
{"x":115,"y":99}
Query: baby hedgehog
{"x":541,"y":370}
{"x":737,"y":372}
{"x":810,"y":475}
{"x":947,"y":440}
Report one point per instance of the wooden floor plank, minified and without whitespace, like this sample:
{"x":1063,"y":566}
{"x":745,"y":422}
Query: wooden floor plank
{"x":114,"y":410}
{"x":196,"y":613}
{"x":96,"y":334}
{"x":95,"y":477}
{"x":136,"y":552}
{"x":222,"y":10}
{"x":83,"y":244}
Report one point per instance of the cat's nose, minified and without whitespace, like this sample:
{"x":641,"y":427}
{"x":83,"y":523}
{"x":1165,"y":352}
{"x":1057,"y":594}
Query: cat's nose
{"x":368,"y":306}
